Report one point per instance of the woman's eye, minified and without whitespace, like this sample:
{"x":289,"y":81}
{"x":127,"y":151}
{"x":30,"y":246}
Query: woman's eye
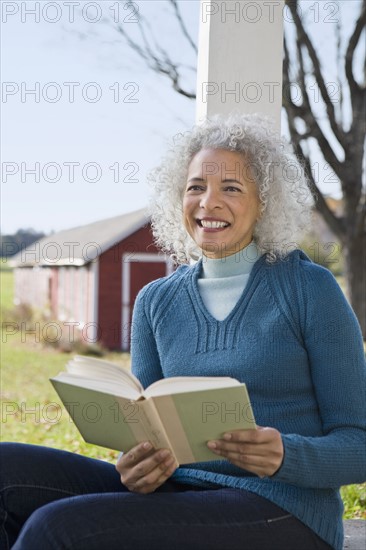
{"x":194,"y":188}
{"x":231,"y":188}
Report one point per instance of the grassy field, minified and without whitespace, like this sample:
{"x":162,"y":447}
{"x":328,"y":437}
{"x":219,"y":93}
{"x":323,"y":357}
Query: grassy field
{"x":32,"y":412}
{"x":6,"y":289}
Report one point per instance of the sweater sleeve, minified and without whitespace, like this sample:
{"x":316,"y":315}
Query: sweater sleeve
{"x":333,"y":341}
{"x":145,"y":362}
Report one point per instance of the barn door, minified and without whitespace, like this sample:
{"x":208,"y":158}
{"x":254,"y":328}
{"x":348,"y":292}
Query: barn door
{"x":137,"y":271}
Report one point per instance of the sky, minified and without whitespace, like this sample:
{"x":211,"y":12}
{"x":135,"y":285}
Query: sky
{"x":78,"y":150}
{"x":121,"y":116}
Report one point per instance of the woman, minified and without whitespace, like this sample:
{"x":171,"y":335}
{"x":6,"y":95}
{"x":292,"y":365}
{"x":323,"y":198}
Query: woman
{"x":231,"y":195}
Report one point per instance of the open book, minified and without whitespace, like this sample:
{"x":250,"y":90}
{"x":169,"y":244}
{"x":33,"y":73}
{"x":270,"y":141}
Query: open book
{"x":110,"y":408}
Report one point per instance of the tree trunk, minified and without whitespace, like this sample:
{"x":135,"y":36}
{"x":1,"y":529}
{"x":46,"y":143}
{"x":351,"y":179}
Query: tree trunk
{"x":355,"y":265}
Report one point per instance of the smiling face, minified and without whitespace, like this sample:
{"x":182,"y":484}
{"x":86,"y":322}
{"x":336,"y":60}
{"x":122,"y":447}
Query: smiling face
{"x":220,"y":202}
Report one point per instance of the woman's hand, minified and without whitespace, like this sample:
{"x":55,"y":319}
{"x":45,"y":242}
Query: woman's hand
{"x":143,"y":469}
{"x":259,"y":451}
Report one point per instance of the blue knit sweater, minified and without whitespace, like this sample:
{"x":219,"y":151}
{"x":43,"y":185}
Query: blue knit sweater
{"x":296,"y":343}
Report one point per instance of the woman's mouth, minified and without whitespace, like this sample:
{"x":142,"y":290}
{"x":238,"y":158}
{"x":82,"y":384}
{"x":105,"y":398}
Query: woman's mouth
{"x":213,"y":225}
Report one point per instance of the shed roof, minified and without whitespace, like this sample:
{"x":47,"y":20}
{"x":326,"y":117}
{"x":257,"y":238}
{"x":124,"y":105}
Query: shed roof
{"x":80,"y":245}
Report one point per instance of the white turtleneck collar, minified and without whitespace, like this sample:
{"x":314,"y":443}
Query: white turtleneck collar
{"x":239,"y":263}
{"x":222,"y":281}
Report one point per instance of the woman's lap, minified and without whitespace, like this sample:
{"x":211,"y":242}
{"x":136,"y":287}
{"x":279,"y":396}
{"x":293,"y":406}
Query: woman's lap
{"x":78,"y":503}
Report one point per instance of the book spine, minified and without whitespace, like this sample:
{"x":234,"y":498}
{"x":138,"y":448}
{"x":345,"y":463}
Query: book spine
{"x":174,"y":427}
{"x":152,"y":426}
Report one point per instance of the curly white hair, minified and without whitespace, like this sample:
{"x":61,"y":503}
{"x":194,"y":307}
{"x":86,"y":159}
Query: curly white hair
{"x":283,"y":189}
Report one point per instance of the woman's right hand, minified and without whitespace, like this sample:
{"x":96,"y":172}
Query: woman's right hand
{"x":143,"y":469}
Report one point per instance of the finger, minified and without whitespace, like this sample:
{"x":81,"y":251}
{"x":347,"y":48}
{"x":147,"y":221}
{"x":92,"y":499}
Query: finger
{"x":260,"y":435}
{"x":222,"y":447}
{"x":232,"y":443}
{"x":168,"y":473}
{"x":263,"y":434}
{"x":247,"y":459}
{"x":136,"y":454}
{"x":169,"y":467}
{"x":158,"y":461}
{"x":261,"y":439}
{"x":155,"y":477}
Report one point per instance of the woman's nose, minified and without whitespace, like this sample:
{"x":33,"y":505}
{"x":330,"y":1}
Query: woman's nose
{"x":210,"y":199}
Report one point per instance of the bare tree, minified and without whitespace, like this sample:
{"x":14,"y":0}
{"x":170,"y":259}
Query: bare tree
{"x":304,"y":122}
{"x":350,"y":227}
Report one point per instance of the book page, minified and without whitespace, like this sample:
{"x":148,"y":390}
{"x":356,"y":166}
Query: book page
{"x":92,"y":368}
{"x":179,"y":384}
{"x":101,"y":418}
{"x":192,"y":419}
{"x":115,"y":387}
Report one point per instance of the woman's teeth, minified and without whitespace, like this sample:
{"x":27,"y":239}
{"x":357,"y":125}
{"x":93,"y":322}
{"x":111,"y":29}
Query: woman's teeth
{"x":213,"y":224}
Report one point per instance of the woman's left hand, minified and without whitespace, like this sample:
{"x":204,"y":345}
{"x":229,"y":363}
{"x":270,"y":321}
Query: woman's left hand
{"x":258,"y":451}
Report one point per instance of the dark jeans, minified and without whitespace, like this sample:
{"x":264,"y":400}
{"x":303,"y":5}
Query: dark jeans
{"x":53,"y":500}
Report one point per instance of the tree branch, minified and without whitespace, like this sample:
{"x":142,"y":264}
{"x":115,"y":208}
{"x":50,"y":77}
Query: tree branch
{"x":305,"y":112}
{"x":182,"y":25}
{"x":160,"y":63}
{"x":335,"y":223}
{"x":360,"y":225}
{"x":293,"y":111}
{"x":360,"y":25}
{"x":305,"y":40}
{"x":341,"y":94}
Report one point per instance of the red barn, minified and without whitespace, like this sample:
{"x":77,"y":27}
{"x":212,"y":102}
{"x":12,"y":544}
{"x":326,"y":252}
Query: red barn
{"x":87,"y":278}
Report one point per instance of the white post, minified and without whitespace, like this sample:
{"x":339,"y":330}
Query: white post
{"x":240,"y":58}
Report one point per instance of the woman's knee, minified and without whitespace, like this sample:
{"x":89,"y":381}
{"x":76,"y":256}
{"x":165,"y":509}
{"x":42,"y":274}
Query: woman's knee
{"x":48,"y":528}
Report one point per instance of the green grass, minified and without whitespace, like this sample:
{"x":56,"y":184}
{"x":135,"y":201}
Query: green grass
{"x":4,"y":264}
{"x":354,"y":500}
{"x":6,"y":289}
{"x":31,"y":409}
{"x":32,"y":412}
